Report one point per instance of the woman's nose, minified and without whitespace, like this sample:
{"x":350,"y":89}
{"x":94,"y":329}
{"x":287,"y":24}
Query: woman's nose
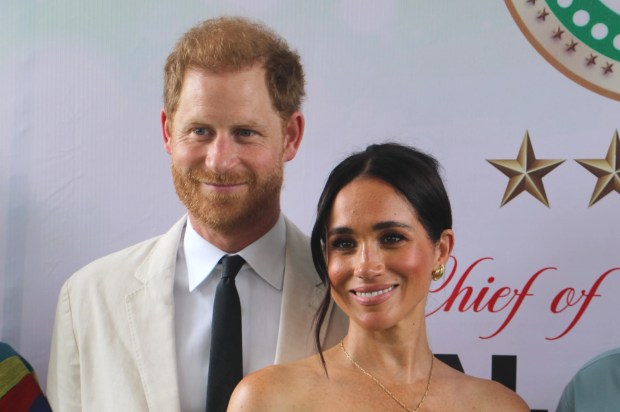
{"x":369,"y":262}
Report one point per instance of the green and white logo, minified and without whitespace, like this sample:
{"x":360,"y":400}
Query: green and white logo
{"x":581,"y":38}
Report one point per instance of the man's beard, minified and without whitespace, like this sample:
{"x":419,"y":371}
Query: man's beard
{"x":222,"y":211}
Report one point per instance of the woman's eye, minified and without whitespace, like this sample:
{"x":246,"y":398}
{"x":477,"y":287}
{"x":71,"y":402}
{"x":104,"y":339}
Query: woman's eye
{"x":392,"y":238}
{"x":342,"y":244}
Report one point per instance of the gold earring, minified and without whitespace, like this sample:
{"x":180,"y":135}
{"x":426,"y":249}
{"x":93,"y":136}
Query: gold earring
{"x":438,"y":273}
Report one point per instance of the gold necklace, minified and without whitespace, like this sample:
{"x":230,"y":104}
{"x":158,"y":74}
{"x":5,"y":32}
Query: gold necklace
{"x":386,"y":390}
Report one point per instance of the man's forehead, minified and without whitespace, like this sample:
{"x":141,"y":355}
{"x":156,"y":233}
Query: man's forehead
{"x":224,"y":71}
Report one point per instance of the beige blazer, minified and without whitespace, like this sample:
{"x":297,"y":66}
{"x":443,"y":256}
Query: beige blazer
{"x":113,"y":345}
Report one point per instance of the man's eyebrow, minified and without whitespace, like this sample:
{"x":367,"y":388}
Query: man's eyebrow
{"x":249,"y":123}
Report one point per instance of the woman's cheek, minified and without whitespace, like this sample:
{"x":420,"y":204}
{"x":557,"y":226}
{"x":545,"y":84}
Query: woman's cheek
{"x":336,"y":270}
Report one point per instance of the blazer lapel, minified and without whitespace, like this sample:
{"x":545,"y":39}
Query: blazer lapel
{"x":295,"y":336}
{"x":150,"y":309}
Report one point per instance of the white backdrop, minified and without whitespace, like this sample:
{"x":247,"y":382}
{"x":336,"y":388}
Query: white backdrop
{"x":83,"y":171}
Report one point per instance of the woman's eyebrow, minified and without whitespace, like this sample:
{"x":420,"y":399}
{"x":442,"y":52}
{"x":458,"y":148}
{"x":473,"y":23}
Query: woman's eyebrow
{"x":389,"y":224}
{"x":339,"y":231}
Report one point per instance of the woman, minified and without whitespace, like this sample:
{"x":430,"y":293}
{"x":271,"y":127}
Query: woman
{"x":383,"y":231}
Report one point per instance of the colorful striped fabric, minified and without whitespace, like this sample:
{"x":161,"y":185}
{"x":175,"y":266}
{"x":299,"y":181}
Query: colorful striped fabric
{"x":19,"y":388}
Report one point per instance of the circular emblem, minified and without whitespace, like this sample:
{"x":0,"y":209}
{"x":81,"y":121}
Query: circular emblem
{"x":580,"y":38}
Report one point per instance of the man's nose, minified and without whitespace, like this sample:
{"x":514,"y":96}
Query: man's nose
{"x":222,"y":154}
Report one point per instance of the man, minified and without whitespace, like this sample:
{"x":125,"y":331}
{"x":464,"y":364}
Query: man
{"x":133,"y":329}
{"x":595,"y":387}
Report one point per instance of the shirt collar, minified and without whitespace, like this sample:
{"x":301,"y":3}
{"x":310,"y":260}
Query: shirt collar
{"x":202,"y":257}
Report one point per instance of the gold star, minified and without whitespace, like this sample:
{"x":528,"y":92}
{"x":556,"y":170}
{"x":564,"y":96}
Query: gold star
{"x":591,"y":60}
{"x":525,"y":173}
{"x":608,"y":68}
{"x":557,"y":34}
{"x":607,"y":170}
{"x":542,"y":15}
{"x":572,"y":46}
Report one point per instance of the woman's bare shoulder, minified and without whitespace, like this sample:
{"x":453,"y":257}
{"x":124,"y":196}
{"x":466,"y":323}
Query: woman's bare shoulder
{"x":500,"y":398}
{"x":275,"y":388}
{"x":484,"y":394}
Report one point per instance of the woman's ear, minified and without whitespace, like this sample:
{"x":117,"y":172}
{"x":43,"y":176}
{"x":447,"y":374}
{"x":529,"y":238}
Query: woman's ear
{"x":444,"y":246}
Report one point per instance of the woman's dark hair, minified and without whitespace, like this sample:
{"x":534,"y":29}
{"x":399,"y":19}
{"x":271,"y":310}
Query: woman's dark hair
{"x":413,"y":174}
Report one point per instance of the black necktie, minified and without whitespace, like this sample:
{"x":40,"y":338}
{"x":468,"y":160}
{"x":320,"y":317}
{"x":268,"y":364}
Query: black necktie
{"x":226,"y":356}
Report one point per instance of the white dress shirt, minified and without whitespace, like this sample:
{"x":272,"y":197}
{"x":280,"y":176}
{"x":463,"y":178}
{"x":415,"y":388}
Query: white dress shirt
{"x":259,"y":284}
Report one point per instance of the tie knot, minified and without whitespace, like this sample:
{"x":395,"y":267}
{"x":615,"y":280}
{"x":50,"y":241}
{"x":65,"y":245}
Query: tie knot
{"x":231,"y":265}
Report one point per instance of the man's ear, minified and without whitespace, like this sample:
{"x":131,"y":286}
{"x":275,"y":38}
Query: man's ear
{"x":166,"y":126}
{"x":293,"y":133}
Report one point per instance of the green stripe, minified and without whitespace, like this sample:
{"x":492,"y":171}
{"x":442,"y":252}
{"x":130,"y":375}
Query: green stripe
{"x":12,"y":370}
{"x":599,"y":13}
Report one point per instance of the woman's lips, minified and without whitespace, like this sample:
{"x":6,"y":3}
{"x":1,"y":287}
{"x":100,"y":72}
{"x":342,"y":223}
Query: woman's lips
{"x":373,"y":295}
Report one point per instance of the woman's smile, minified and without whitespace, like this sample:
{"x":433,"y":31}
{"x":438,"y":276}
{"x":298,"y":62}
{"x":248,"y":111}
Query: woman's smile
{"x":368,"y":296}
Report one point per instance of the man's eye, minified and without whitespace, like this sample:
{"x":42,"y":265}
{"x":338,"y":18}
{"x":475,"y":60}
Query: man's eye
{"x":245,"y":133}
{"x":201,"y":131}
